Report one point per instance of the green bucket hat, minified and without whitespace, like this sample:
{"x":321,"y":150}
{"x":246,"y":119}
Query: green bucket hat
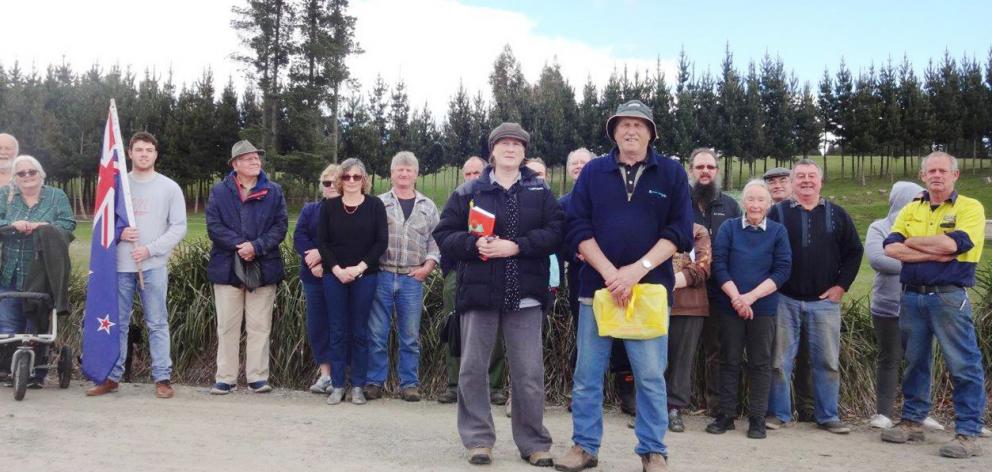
{"x":243,"y":147}
{"x":631,"y":109}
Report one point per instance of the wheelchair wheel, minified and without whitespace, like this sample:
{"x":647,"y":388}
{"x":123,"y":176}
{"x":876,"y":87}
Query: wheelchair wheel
{"x":65,"y":367}
{"x":21,"y":373}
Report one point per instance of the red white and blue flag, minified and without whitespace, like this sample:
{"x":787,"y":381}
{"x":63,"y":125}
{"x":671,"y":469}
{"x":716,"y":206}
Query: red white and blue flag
{"x":112,"y":213}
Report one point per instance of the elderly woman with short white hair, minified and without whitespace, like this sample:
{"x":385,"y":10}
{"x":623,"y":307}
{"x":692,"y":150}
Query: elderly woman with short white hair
{"x":751,"y":260}
{"x":24,"y":206}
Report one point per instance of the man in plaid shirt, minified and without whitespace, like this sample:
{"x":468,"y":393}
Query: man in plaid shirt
{"x":410,"y":257}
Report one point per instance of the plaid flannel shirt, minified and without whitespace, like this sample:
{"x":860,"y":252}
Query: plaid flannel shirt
{"x":410,"y":240}
{"x":18,"y":248}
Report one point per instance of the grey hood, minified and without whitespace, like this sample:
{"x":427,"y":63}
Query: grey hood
{"x":901,"y":194}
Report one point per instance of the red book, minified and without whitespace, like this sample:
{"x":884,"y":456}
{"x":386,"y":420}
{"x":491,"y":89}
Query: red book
{"x":481,"y":223}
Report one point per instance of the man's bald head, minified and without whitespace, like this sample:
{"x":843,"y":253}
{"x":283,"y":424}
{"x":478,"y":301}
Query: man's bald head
{"x":472,"y":169}
{"x":9,"y":149}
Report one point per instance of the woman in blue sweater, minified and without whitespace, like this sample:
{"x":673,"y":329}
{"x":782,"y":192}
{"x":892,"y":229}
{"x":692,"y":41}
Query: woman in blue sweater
{"x":751,"y":259}
{"x":311,"y":273}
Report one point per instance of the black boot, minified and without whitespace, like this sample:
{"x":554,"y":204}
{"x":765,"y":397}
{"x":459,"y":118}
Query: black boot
{"x":720,"y":425}
{"x":756,"y":428}
{"x":675,"y":423}
{"x":628,"y":394}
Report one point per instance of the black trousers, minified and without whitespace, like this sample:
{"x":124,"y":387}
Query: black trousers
{"x":711,"y":359}
{"x":889,"y":340}
{"x":758,"y":336}
{"x":802,"y":376}
{"x":683,"y":340}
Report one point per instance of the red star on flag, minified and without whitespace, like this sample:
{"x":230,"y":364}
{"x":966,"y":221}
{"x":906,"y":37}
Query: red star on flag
{"x":105,"y":324}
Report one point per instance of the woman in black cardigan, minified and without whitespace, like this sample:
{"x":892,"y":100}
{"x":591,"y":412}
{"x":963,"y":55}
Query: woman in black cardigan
{"x":352,"y":234}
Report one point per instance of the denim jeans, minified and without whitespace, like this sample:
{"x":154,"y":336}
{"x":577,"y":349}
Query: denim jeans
{"x":405,"y":295}
{"x":648,"y":359}
{"x":348,"y":306}
{"x":946,"y":316}
{"x":318,"y":322}
{"x":156,"y":319}
{"x":822,"y":320}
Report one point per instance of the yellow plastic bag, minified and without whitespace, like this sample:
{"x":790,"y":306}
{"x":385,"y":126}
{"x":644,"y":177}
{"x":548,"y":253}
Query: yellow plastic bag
{"x":645,"y":317}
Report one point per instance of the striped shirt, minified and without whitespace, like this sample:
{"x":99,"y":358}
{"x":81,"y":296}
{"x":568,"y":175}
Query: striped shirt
{"x":410,"y":242}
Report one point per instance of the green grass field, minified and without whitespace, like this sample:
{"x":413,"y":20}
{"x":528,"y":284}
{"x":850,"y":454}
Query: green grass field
{"x":865,"y":203}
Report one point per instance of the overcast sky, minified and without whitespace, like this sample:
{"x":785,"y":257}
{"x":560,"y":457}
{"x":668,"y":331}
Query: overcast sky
{"x":435,"y":44}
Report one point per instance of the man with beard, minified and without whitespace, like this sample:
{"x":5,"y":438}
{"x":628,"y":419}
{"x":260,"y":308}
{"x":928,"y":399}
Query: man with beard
{"x":711,"y":207}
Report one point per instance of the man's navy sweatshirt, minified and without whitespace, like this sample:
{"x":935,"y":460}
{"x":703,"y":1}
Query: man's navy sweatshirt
{"x":626,"y":230}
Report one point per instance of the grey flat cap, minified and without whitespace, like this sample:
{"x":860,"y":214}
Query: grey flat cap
{"x":776,"y":172}
{"x":508,"y":130}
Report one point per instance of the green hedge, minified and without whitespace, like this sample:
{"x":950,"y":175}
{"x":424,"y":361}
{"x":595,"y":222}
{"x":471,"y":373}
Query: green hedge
{"x":194,"y":341}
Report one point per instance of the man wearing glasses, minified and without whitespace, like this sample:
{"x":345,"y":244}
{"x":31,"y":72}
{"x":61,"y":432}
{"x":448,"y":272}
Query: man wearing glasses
{"x":711,"y":207}
{"x":246,"y":221}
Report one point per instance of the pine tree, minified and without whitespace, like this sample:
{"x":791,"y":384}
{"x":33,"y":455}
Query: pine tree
{"x":685,"y":116}
{"x":843,"y":98}
{"x":807,"y":124}
{"x":661,"y":104}
{"x":729,"y":114}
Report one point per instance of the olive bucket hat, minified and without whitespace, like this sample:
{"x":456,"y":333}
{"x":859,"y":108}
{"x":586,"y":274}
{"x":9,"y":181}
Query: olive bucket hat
{"x":243,"y":147}
{"x":631,"y":109}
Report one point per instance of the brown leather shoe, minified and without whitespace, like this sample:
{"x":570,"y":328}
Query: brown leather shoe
{"x":109,"y":386}
{"x":164,"y":389}
{"x":654,"y":462}
{"x":480,"y":455}
{"x":575,"y":459}
{"x":539,"y":459}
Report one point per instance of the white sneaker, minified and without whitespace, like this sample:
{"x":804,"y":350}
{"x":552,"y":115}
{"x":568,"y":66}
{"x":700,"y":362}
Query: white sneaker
{"x":357,"y":396}
{"x":880,"y":421}
{"x":323,"y":385}
{"x":986,"y":433}
{"x":337,"y":394}
{"x":932,"y":424}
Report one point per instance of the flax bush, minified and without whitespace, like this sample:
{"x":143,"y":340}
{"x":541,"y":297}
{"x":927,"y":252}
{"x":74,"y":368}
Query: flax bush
{"x":194,"y":340}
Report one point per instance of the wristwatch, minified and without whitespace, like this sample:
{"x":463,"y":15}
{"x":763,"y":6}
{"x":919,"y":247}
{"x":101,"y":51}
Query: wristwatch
{"x":645,"y":263}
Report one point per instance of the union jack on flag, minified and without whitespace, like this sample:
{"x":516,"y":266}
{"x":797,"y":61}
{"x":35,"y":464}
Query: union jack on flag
{"x":111,"y":214}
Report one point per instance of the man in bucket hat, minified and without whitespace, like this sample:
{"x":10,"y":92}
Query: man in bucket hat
{"x":630,"y":212}
{"x":246,"y":221}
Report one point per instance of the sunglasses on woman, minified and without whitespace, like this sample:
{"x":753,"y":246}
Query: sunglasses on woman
{"x":327,"y":183}
{"x":27,"y":173}
{"x":352,"y":178}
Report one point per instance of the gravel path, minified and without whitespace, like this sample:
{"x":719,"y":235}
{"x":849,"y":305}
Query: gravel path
{"x":62,"y":430}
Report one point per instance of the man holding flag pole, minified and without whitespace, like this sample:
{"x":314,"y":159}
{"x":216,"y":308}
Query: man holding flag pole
{"x":158,"y":206}
{"x":112,"y":213}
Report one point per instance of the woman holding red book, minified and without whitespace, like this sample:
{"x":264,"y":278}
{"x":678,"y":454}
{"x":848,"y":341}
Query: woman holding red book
{"x":502,"y":284}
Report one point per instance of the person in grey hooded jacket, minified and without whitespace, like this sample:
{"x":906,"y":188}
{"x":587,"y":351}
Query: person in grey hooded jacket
{"x":885,"y":296}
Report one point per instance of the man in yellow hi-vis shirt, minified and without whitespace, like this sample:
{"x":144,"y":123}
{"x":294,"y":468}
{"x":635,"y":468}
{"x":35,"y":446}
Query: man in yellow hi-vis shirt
{"x":939,"y":237}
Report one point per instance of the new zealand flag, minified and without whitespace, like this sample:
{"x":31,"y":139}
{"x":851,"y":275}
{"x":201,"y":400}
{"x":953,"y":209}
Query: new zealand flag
{"x":112,"y":213}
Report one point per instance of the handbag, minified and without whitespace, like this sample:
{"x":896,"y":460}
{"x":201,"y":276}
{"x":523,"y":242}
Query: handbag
{"x":644,"y":317}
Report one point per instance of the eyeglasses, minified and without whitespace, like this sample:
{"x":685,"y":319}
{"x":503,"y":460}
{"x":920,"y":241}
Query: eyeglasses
{"x":327,"y":183}
{"x":707,"y":167}
{"x":27,"y":173}
{"x":352,"y":178}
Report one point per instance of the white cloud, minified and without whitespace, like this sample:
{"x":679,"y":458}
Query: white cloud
{"x":434,"y":44}
{"x":430,"y":44}
{"x":187,"y":36}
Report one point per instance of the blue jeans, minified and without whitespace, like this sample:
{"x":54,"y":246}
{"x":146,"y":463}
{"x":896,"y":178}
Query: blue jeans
{"x":822,"y":321}
{"x":648,"y":359}
{"x":946,"y":316}
{"x":156,"y":319}
{"x":318,"y":322}
{"x":405,"y":294}
{"x":348,"y":306}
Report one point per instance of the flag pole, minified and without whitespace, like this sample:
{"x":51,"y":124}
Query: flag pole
{"x":125,"y":185}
